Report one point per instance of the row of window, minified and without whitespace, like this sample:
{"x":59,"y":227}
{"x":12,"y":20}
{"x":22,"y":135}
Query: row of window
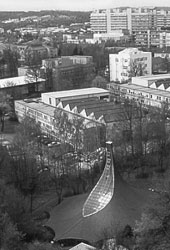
{"x":34,"y":113}
{"x":150,"y":96}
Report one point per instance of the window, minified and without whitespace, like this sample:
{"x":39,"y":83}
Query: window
{"x":49,"y":100}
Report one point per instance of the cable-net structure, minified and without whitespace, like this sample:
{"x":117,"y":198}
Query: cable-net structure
{"x":103,"y":191}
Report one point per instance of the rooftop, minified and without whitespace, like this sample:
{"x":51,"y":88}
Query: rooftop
{"x":38,"y":106}
{"x":76,"y":92}
{"x":153,"y":77}
{"x":132,"y":51}
{"x":83,"y":246}
{"x":148,"y":90}
{"x":16,"y":81}
{"x":110,"y":111}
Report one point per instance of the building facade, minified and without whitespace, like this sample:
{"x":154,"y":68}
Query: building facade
{"x":74,"y":69}
{"x":153,"y":90}
{"x":122,"y":64}
{"x":133,"y":19}
{"x":42,"y":109}
{"x":22,"y":86}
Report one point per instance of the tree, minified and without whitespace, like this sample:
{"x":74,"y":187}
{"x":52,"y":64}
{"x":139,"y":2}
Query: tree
{"x":4,"y":109}
{"x":11,"y":59}
{"x":41,"y":246}
{"x":159,"y":134}
{"x":153,"y":230}
{"x":129,"y":113}
{"x":160,"y":64}
{"x":62,"y":125}
{"x":33,"y":61}
{"x":81,"y":51}
{"x":49,"y":79}
{"x":12,"y":203}
{"x":10,"y":237}
{"x":136,"y":69}
{"x":75,"y":51}
{"x":16,"y":222}
{"x":24,"y":173}
{"x":99,"y":82}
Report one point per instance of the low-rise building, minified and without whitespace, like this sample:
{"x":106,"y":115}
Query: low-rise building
{"x":153,"y":90}
{"x":21,"y":86}
{"x":53,"y":98}
{"x":91,"y":104}
{"x":43,"y":109}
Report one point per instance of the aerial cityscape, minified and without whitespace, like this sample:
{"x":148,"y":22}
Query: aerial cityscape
{"x":84,"y":125}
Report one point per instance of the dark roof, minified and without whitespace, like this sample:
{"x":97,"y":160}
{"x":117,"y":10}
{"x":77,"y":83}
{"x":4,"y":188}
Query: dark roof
{"x":109,"y":110}
{"x":96,"y":106}
{"x":165,"y":82}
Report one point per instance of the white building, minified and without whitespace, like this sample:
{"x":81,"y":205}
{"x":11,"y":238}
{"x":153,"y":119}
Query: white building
{"x":115,"y":35}
{"x":53,"y":98}
{"x":122,"y":63}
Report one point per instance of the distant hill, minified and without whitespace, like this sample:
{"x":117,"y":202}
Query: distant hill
{"x":78,"y":16}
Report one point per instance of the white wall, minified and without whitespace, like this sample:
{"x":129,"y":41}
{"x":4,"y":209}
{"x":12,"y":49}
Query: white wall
{"x":120,"y":63}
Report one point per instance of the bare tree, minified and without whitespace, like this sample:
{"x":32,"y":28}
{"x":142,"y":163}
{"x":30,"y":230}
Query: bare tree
{"x":4,"y":109}
{"x":137,"y":68}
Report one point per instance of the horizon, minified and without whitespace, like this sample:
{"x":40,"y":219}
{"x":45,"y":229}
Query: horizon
{"x":76,"y":5}
{"x":81,"y":10}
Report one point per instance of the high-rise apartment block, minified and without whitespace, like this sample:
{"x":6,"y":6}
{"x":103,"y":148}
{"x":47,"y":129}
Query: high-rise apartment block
{"x":128,"y":60}
{"x":132,"y":19}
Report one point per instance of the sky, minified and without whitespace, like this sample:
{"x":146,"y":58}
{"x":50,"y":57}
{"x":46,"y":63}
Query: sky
{"x":26,"y":5}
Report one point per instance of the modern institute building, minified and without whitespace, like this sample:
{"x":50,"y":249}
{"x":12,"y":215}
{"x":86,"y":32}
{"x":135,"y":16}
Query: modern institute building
{"x":122,"y":64}
{"x":152,"y":90}
{"x":42,"y":109}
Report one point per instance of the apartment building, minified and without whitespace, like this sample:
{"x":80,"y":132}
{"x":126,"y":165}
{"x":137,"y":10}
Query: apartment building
{"x":121,"y":64}
{"x":153,"y":38}
{"x":133,"y":19}
{"x":150,"y":90}
{"x":115,"y":35}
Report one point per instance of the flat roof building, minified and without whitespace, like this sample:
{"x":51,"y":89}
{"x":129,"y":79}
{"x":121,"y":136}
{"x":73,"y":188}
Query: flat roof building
{"x":17,"y":81}
{"x":53,"y":98}
{"x":152,"y":90}
{"x":22,"y":86}
{"x":147,"y":81}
